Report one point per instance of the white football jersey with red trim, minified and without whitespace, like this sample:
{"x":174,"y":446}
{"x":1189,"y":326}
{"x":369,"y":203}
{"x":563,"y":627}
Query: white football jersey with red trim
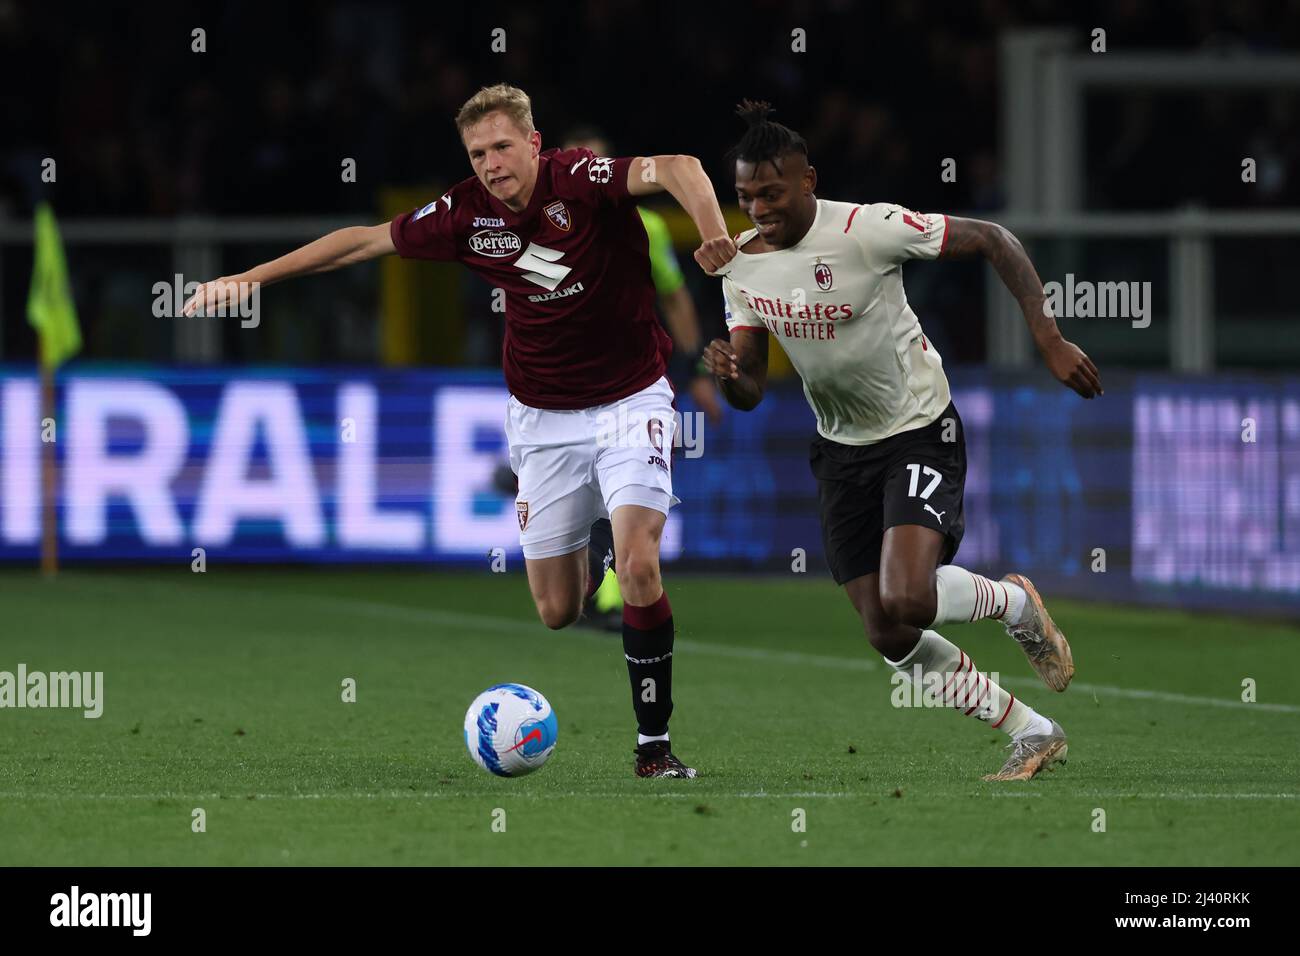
{"x":835,"y":302}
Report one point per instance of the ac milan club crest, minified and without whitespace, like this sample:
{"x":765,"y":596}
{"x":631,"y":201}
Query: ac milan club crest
{"x":559,"y":214}
{"x":822,"y":273}
{"x":521,"y":509}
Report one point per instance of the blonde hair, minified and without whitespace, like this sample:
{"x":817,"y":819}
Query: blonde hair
{"x":503,"y":98}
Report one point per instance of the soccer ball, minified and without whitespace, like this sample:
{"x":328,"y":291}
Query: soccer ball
{"x":510,"y":730}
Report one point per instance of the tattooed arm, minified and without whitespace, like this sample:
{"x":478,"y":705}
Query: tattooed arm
{"x":975,"y":237}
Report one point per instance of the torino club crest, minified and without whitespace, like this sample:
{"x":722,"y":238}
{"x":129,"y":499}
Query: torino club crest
{"x":822,"y":273}
{"x":559,"y":214}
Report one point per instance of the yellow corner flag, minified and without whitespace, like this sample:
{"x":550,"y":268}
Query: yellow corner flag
{"x":51,"y":312}
{"x":50,"y":309}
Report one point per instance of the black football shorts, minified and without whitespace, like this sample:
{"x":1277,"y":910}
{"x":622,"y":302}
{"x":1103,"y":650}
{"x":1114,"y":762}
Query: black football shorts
{"x":915,"y":477}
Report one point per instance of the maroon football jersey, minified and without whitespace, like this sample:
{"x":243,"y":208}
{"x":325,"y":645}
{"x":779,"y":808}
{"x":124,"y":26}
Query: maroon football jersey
{"x":575,"y":267}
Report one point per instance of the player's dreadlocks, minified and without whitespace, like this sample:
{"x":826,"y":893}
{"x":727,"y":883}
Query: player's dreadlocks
{"x":764,"y":141}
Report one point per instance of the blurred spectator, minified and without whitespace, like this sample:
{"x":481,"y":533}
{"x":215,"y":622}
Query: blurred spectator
{"x":260,"y":123}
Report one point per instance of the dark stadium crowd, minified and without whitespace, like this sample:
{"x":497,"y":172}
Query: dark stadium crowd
{"x":261,"y":122}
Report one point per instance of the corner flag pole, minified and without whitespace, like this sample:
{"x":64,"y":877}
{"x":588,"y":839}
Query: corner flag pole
{"x":53,"y":314}
{"x":49,"y":482}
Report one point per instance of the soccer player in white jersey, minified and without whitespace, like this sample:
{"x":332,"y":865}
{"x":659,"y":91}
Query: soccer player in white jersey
{"x":890,"y":461}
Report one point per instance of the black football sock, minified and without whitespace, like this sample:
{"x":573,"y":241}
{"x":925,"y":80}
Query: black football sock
{"x":598,"y":549}
{"x":648,"y":647}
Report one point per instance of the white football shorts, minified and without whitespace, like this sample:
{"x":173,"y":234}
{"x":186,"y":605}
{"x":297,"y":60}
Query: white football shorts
{"x":575,"y":467}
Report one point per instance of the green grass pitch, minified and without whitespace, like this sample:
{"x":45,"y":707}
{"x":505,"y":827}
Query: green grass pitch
{"x":222,"y":691}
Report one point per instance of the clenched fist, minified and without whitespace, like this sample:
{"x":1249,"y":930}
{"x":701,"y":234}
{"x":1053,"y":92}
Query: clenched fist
{"x":714,"y":254}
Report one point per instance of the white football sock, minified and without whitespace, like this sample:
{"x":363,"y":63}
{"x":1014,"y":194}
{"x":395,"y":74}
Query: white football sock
{"x":963,"y":687}
{"x":964,"y":596}
{"x":1017,"y":603}
{"x":1038,"y":724}
{"x":643,"y":739}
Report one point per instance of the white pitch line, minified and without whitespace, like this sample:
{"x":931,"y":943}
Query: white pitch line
{"x":702,"y":796}
{"x":432,"y":795}
{"x":1134,"y":693}
{"x":777,"y":657}
{"x":789,"y":657}
{"x":1122,"y":794}
{"x":417,"y":615}
{"x":460,"y":619}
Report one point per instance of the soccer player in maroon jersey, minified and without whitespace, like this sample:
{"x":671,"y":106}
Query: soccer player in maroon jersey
{"x":590,"y":423}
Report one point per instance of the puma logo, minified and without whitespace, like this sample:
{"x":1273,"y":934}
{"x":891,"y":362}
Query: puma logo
{"x":890,"y":213}
{"x":938,"y":514}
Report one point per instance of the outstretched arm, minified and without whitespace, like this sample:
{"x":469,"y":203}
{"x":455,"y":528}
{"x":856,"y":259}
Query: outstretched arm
{"x":340,"y":248}
{"x":975,"y":237}
{"x":685,"y":179}
{"x":740,"y":366}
